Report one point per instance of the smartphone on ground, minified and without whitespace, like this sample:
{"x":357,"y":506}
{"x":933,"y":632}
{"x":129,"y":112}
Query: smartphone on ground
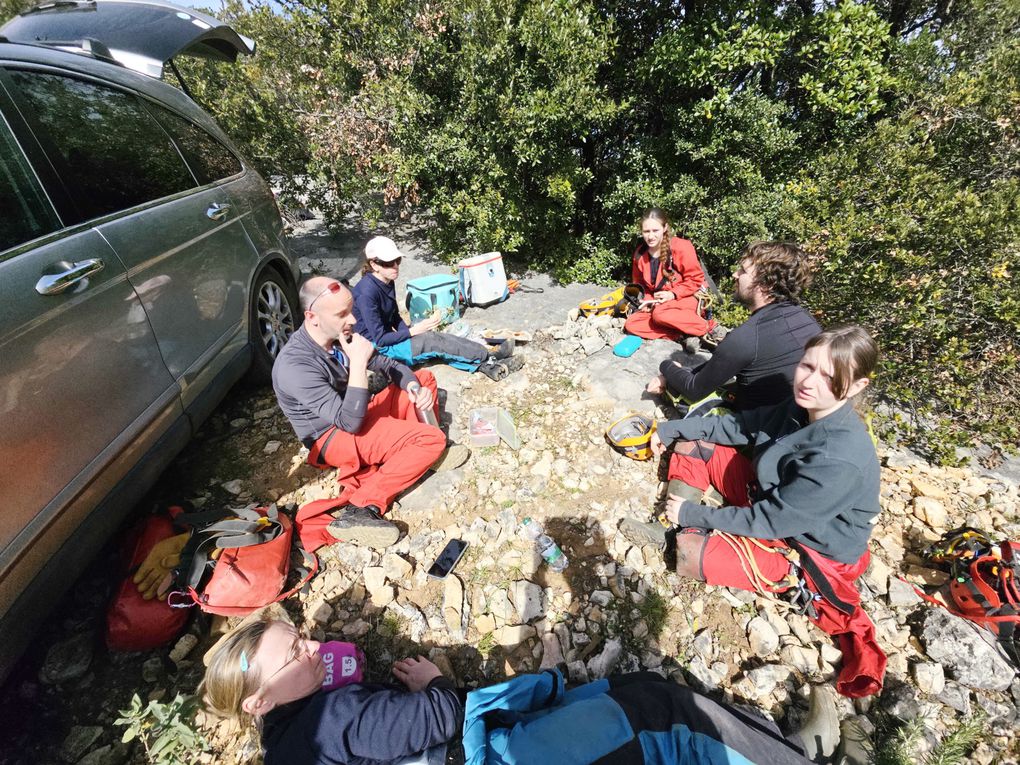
{"x":447,"y":559}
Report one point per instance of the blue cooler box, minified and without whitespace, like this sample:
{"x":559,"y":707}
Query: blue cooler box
{"x":427,"y":293}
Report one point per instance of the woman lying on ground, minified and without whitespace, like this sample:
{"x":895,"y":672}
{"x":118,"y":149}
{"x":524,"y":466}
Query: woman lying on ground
{"x":265,"y":672}
{"x":375,"y":306}
{"x":667,"y":269}
{"x":797,"y":514}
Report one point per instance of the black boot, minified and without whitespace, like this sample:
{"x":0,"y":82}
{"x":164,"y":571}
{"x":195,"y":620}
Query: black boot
{"x":364,"y":526}
{"x":504,"y":350}
{"x":497,"y":369}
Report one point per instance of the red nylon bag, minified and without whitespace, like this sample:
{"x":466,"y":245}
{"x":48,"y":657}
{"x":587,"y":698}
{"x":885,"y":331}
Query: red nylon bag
{"x":134,"y":624}
{"x":244,"y":579}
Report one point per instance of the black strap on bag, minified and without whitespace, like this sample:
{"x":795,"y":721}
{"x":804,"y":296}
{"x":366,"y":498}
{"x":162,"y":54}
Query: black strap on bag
{"x":221,"y":529}
{"x":819,"y":579}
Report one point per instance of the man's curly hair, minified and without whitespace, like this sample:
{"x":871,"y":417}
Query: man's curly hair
{"x":781,"y":269}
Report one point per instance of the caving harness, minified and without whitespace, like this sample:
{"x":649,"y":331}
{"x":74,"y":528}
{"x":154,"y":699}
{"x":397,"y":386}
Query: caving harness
{"x":793,"y":588}
{"x":983,"y":585}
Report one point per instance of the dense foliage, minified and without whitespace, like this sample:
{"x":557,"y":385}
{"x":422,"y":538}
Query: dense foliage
{"x":881,"y":133}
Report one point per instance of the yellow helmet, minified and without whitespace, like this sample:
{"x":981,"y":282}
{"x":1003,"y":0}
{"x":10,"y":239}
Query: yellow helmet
{"x":632,"y":435}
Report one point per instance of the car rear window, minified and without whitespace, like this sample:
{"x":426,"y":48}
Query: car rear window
{"x":209,"y":159}
{"x":112,"y":154}
{"x":27,"y":212}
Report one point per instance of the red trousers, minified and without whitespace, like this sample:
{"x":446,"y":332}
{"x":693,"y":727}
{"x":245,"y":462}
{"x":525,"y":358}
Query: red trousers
{"x":701,"y":464}
{"x":669,"y":321}
{"x":390,"y":452}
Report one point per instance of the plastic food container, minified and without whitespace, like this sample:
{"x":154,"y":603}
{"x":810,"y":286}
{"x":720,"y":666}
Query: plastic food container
{"x":490,"y":424}
{"x":483,"y":426}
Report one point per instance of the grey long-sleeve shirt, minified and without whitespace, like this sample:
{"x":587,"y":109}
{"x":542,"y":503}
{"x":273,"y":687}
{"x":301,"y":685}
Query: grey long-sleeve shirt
{"x":818,"y":482}
{"x":311,"y":387}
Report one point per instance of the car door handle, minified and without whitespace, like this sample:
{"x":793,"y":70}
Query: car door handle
{"x":217,"y":211}
{"x":54,"y":284}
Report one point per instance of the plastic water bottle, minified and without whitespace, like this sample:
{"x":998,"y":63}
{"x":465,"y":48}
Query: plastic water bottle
{"x":426,"y":414}
{"x":546,"y":546}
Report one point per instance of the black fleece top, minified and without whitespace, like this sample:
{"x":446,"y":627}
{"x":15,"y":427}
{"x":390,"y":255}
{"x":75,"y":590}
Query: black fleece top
{"x":762,"y":353}
{"x":365,"y":724}
{"x":818,"y":482}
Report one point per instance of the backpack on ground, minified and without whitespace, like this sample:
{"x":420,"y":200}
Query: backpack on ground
{"x":237,"y":562}
{"x":437,"y":292}
{"x":621,"y":302}
{"x":483,"y":279}
{"x":983,"y":584}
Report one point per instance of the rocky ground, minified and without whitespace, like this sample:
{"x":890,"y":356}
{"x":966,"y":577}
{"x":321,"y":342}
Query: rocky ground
{"x":617,"y":607}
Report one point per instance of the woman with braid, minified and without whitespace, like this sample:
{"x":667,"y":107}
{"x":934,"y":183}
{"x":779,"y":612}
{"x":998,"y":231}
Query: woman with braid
{"x":667,"y":269}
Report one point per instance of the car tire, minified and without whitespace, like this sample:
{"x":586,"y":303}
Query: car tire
{"x":274,"y":317}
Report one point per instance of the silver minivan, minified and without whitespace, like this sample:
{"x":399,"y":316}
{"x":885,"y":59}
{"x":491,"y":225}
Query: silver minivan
{"x":143,"y":271}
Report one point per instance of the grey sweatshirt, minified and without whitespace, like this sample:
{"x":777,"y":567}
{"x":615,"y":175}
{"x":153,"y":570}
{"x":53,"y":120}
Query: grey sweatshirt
{"x":819,"y":482}
{"x":311,"y":387}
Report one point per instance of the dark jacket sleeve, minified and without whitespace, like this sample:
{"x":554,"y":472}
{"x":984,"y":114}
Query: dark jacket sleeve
{"x":730,"y":429}
{"x":694,"y":383}
{"x":394,"y":723}
{"x":401,"y":374}
{"x":372,"y":320}
{"x":814,"y":489}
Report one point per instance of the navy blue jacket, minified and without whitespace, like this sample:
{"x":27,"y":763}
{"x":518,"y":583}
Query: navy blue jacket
{"x":375,"y":308}
{"x":363,"y":724}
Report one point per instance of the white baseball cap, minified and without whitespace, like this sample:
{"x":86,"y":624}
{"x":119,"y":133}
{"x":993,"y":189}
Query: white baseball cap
{"x":383,"y":249}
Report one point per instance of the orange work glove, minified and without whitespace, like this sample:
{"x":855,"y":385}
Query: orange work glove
{"x":153,"y":576}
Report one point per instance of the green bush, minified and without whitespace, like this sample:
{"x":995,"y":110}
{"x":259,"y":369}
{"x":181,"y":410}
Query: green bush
{"x":882,"y":135}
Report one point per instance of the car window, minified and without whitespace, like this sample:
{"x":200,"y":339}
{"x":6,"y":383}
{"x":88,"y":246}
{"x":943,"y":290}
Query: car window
{"x":114,"y":154}
{"x":27,"y":212}
{"x":209,"y":159}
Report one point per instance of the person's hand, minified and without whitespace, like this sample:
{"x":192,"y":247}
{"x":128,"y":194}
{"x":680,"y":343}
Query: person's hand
{"x":646,"y":305}
{"x":416,"y":674}
{"x":359,"y":349}
{"x":421,"y":397}
{"x":656,"y":385}
{"x":656,"y":445}
{"x":153,"y":576}
{"x":425,"y":325}
{"x":663,"y":295}
{"x":672,"y":509}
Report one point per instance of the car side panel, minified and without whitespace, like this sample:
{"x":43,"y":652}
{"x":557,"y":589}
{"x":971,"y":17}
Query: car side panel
{"x":81,"y":377}
{"x":193,"y":275}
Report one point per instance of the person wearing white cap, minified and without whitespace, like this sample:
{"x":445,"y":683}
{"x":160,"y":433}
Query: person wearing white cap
{"x":375,"y":307}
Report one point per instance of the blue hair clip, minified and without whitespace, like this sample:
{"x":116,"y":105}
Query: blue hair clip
{"x":244,"y":662}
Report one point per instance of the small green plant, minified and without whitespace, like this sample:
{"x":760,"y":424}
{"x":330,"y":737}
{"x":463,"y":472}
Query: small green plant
{"x":654,"y":610}
{"x":167,"y":731}
{"x":486,"y":643}
{"x":896,"y":743}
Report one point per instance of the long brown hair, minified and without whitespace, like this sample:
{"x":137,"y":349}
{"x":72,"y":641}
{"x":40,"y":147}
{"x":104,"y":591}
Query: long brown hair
{"x":665,"y":253}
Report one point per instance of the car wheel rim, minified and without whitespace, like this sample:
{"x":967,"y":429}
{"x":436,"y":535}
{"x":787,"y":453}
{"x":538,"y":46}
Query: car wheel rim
{"x":275,"y":318}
